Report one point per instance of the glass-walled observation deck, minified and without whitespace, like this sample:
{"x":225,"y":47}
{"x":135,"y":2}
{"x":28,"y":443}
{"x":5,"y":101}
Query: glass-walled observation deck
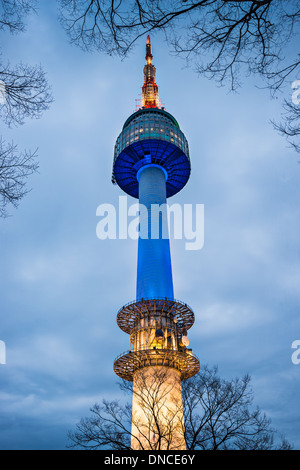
{"x":151,"y":135}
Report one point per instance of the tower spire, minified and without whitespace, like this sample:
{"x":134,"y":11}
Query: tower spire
{"x":150,"y":97}
{"x":149,"y":55}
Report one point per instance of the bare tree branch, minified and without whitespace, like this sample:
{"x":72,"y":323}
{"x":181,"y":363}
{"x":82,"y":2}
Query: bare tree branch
{"x":15,"y":168}
{"x":12,"y":13}
{"x":290,"y":125}
{"x":26,"y":93}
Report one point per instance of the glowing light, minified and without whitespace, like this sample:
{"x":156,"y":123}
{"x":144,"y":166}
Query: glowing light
{"x":150,"y":97}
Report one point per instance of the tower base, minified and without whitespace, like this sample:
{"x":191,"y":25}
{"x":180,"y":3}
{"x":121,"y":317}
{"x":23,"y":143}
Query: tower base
{"x":157,"y":411}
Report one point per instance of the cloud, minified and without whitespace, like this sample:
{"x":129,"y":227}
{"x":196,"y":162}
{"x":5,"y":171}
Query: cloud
{"x":229,"y":318}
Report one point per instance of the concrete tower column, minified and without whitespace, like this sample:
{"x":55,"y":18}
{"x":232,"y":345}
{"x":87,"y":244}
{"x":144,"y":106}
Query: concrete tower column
{"x":157,"y":412}
{"x":154,"y":270}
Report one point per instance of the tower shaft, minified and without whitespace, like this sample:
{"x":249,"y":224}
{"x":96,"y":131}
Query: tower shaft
{"x":157,"y":411}
{"x":154,"y":271}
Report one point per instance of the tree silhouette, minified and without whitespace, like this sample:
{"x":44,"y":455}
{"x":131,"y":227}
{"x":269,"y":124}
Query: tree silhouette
{"x":218,"y":415}
{"x":24,"y":93}
{"x":289,"y":127}
{"x":15,"y":168}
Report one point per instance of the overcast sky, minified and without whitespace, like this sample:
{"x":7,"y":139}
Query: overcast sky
{"x":61,"y":287}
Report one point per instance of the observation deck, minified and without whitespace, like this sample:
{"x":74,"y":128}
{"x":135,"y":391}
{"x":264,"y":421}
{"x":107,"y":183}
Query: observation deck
{"x":131,"y":314}
{"x":151,"y":136}
{"x":157,"y":329}
{"x":184,"y":361}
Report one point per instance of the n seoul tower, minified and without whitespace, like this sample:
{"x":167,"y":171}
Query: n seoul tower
{"x":151,"y":163}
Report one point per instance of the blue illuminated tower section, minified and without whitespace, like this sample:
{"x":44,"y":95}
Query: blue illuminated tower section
{"x":151,"y":163}
{"x":154,"y":271}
